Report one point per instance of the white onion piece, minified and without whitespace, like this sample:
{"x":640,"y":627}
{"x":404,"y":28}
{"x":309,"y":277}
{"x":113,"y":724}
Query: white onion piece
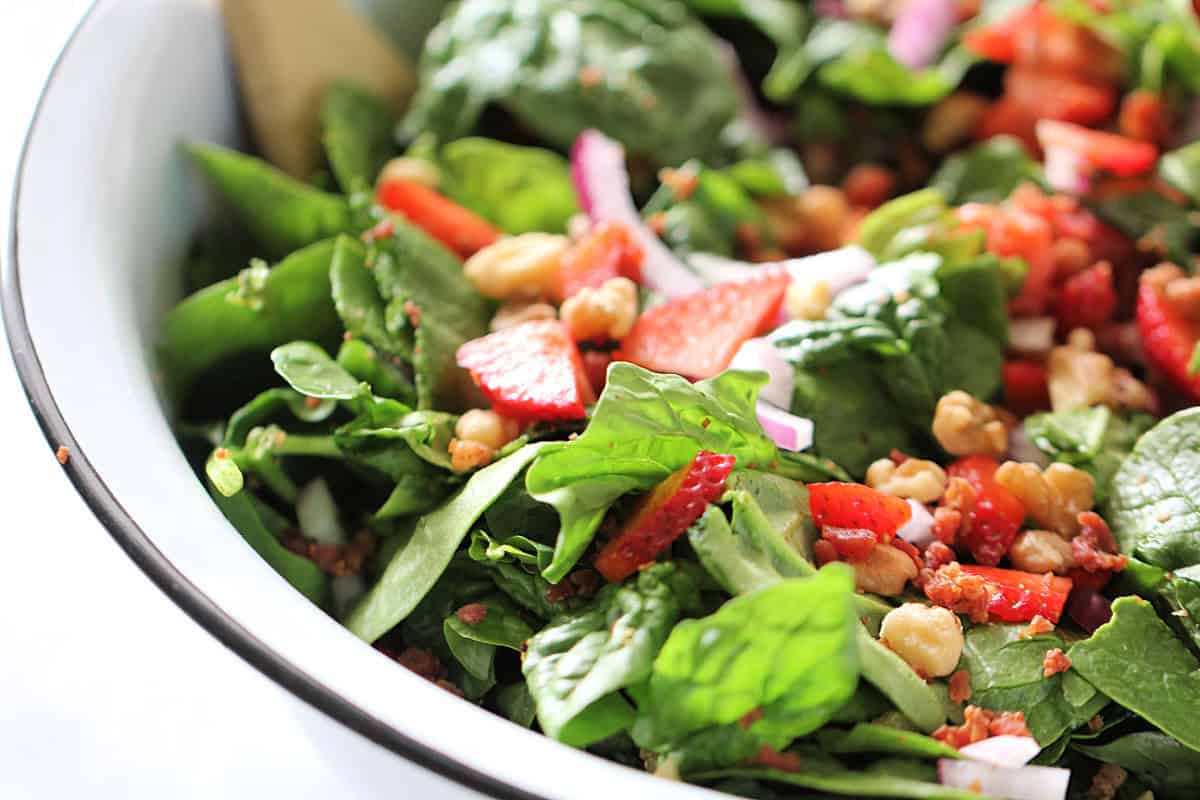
{"x":840,"y":269}
{"x":1003,"y":751}
{"x":1022,"y":448}
{"x":1031,"y":335}
{"x":602,"y":183}
{"x":317,"y":513}
{"x":1012,"y":783}
{"x":761,"y":354}
{"x":787,"y":430}
{"x":920,"y":31}
{"x":1066,"y":171}
{"x":918,"y":531}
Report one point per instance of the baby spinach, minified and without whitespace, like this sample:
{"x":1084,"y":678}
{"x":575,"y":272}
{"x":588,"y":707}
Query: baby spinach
{"x":587,"y":657}
{"x":358,"y":302}
{"x":266,"y":406}
{"x":821,"y":773}
{"x":514,"y":701}
{"x":1136,"y":660}
{"x":785,"y":23}
{"x":1172,"y":228}
{"x":645,"y":427}
{"x":708,"y":218}
{"x":987,"y":173}
{"x":310,"y":371}
{"x":892,"y":676}
{"x":259,"y":309}
{"x":1160,"y":761}
{"x":386,"y":378}
{"x":1182,"y":596}
{"x":784,"y":654}
{"x":416,"y":565}
{"x":520,"y":189}
{"x":1181,"y":169}
{"x":1093,"y":439}
{"x":280,"y":212}
{"x":515,"y":549}
{"x":870,"y":74}
{"x":357,"y":131}
{"x":867,"y":737}
{"x":1153,"y":507}
{"x":646,"y":74}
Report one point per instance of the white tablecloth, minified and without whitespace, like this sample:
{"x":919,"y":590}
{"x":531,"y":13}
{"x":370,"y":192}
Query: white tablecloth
{"x":107,"y":690}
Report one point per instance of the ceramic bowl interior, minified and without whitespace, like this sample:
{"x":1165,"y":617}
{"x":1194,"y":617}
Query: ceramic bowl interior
{"x":104,"y":209}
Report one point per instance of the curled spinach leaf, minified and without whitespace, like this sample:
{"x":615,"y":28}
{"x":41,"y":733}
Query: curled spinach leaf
{"x":357,"y":131}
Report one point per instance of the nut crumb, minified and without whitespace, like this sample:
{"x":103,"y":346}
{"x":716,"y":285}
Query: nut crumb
{"x":62,"y":454}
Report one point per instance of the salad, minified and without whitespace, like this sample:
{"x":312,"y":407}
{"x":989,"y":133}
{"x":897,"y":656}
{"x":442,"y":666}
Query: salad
{"x":797,"y":399}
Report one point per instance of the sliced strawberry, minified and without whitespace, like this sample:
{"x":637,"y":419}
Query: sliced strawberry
{"x":1017,"y":596}
{"x":1117,"y":154}
{"x":996,"y":514}
{"x":1016,"y":232}
{"x":1025,"y":387}
{"x":609,"y":250}
{"x":1168,"y":338}
{"x":595,"y":367}
{"x":460,"y":229}
{"x":696,"y":336}
{"x":852,"y":506}
{"x":1005,"y":117}
{"x":1087,"y":299}
{"x":1059,"y":97}
{"x":532,"y":371}
{"x":664,"y":514}
{"x":998,"y":41}
{"x":1145,"y":116}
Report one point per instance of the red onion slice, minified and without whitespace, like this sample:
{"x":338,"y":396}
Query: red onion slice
{"x":840,"y":269}
{"x":1066,"y":171}
{"x":1013,"y":783}
{"x":1003,"y":751}
{"x":602,"y":183}
{"x":1089,"y":609}
{"x":787,"y":430}
{"x":761,"y":354}
{"x":920,"y":31}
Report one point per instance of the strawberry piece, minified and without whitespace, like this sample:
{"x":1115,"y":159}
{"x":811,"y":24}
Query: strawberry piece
{"x":608,"y":250}
{"x":995,"y":516}
{"x":1145,"y":116}
{"x":696,"y":336}
{"x":1025,"y":387}
{"x":1168,"y":338}
{"x":595,"y":367}
{"x":1087,"y":299}
{"x":1016,"y":596}
{"x":1007,"y":118}
{"x":856,"y":507}
{"x":531,"y":371}
{"x":1016,"y":232}
{"x":460,"y":229}
{"x":998,"y":41}
{"x":1059,"y":97}
{"x":1117,"y":154}
{"x":664,"y":514}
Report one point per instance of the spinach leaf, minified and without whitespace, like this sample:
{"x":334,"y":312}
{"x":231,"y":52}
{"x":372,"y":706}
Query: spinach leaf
{"x":357,"y":131}
{"x":870,"y":74}
{"x":820,"y":773}
{"x":358,"y":302}
{"x":748,"y":555}
{"x":775,"y":503}
{"x":1136,"y":660}
{"x":1163,"y":763}
{"x":1093,"y":439}
{"x":280,"y":212}
{"x":1182,"y":596}
{"x":416,"y":565}
{"x":866,"y":737}
{"x":266,"y":406}
{"x":474,"y":645}
{"x":785,"y":23}
{"x":987,"y":173}
{"x":645,"y":427}
{"x":646,"y":74}
{"x":1151,"y":218}
{"x":254,"y":312}
{"x":882,"y":225}
{"x":385,"y":377}
{"x":892,"y":676}
{"x":305,"y":576}
{"x":520,"y":189}
{"x":1006,"y":675}
{"x":514,"y":549}
{"x":310,"y":371}
{"x":516,"y":703}
{"x":976,"y":292}
{"x":708,"y":218}
{"x":1153,"y":507}
{"x":1181,"y":169}
{"x":585,"y":658}
{"x":785,"y":652}
{"x":973,"y":360}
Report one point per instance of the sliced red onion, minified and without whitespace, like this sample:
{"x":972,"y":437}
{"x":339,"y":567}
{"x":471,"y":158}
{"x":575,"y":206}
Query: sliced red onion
{"x":761,"y":354}
{"x":1012,"y":783}
{"x":787,"y":430}
{"x":1089,"y":609}
{"x":1066,"y":171}
{"x":918,"y":531}
{"x":713,"y":268}
{"x":920,"y":31}
{"x":772,"y":129}
{"x":1031,"y":335}
{"x":602,"y":183}
{"x":1003,"y":751}
{"x":840,"y":269}
{"x":1021,"y":448}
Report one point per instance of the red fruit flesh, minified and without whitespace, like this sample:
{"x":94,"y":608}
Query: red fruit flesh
{"x":852,"y":506}
{"x":607,"y":251}
{"x":1020,"y":596}
{"x":852,"y":544}
{"x":664,"y":514}
{"x":995,"y":516}
{"x":1117,"y":154}
{"x":1025,"y":387}
{"x":532,"y":371}
{"x":460,"y":229}
{"x":1087,"y":299}
{"x":696,"y":336}
{"x":1168,"y":339}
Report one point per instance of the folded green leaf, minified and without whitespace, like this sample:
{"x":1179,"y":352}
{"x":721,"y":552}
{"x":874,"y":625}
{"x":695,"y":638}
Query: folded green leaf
{"x":892,"y":676}
{"x":866,"y":737}
{"x":1093,"y":439}
{"x":385,"y":377}
{"x":358,"y":302}
{"x":822,"y":774}
{"x":268,"y":405}
{"x":1163,"y":763}
{"x":357,"y":131}
{"x":310,"y":371}
{"x":871,"y":75}
{"x":987,"y":173}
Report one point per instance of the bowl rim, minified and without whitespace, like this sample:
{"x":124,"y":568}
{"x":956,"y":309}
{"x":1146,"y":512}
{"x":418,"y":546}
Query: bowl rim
{"x":140,"y":547}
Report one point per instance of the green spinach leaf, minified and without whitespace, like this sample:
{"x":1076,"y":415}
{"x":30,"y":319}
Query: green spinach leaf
{"x":357,"y":131}
{"x":987,"y":173}
{"x":867,"y":737}
{"x":1093,"y":439}
{"x":310,"y":371}
{"x":1163,"y":763}
{"x":820,"y":773}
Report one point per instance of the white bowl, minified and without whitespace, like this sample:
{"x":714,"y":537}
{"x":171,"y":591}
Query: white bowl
{"x":103,"y":208}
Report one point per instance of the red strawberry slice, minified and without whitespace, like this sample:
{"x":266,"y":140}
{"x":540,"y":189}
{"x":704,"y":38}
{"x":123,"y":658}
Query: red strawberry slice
{"x":1087,"y":299}
{"x":609,"y":250}
{"x":460,"y":229}
{"x":1016,"y":596}
{"x":997,"y":514}
{"x":1118,"y":154}
{"x":852,"y":506}
{"x":696,"y":336}
{"x":664,"y":514}
{"x":1025,"y":387}
{"x":531,"y":371}
{"x":1168,"y":338}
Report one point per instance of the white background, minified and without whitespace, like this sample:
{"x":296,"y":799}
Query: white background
{"x":107,"y":690}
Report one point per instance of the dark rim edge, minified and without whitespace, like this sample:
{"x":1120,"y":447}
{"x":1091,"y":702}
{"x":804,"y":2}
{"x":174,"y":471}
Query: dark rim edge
{"x":139,"y":547}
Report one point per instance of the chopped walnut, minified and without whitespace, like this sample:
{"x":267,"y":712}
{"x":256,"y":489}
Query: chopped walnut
{"x":960,"y":592}
{"x":514,"y":312}
{"x":467,"y":454}
{"x":606,"y":313}
{"x":979,"y":724}
{"x":928,"y":638}
{"x":1079,"y":377}
{"x":1041,"y":552}
{"x":915,"y":478}
{"x":1107,"y":781}
{"x":517,"y":266}
{"x":960,"y":686}
{"x":884,"y":571}
{"x":965,"y":426}
{"x":951,"y":121}
{"x":1053,"y":497}
{"x":414,"y":170}
{"x":486,"y":427}
{"x":808,"y":299}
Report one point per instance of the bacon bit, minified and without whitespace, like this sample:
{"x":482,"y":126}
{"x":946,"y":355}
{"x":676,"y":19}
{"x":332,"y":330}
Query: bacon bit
{"x":586,"y":582}
{"x":1095,"y":724}
{"x":909,"y":550}
{"x":63,"y":454}
{"x":384,"y":229}
{"x":472,"y":613}
{"x":748,"y":236}
{"x":312,"y":402}
{"x":824,"y":552}
{"x":590,"y":76}
{"x":1095,"y":549}
{"x":946,"y":522}
{"x":966,"y":594}
{"x":1162,"y":516}
{"x":219,"y":453}
{"x":749,"y":718}
{"x":1037,"y":625}
{"x":937,"y":555}
{"x":418,"y":660}
{"x":682,"y":182}
{"x":960,"y":686}
{"x":414,"y":313}
{"x":979,"y":724}
{"x":347,"y":336}
{"x":442,"y":683}
{"x":560,"y":591}
{"x":1107,"y":781}
{"x":657,"y":223}
{"x":1055,"y":662}
{"x":335,"y":559}
{"x":770,"y":757}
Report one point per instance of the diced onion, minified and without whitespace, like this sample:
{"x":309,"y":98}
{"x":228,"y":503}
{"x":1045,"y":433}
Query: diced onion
{"x":1012,"y":783}
{"x":1003,"y":751}
{"x":787,"y":430}
{"x":918,"y":531}
{"x":1031,"y":335}
{"x":317,"y":513}
{"x":761,"y":354}
{"x":920,"y":31}
{"x":602,"y":183}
